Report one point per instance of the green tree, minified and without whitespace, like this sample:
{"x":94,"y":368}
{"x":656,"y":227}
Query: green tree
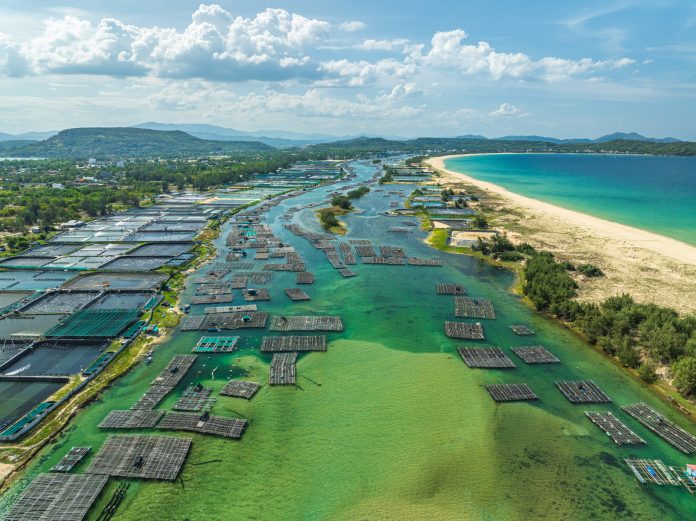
{"x":684,"y":374}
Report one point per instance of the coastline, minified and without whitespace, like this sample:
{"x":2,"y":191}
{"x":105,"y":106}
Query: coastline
{"x":652,"y":267}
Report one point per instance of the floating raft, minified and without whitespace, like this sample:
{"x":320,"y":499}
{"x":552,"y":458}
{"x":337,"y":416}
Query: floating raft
{"x":511,"y":392}
{"x":652,"y":471}
{"x":254,"y":319}
{"x":485,"y":357}
{"x":239,"y":282}
{"x":392,"y":251}
{"x":212,"y":299}
{"x":464,"y":330}
{"x":279,"y":344}
{"x":365,"y":250}
{"x":283,"y":369}
{"x":230,"y":309}
{"x":194,"y":398}
{"x":257,"y":277}
{"x":296,"y":294}
{"x":152,"y":397}
{"x":255,"y":295}
{"x":212,"y":289}
{"x":345,"y":272}
{"x":465,"y":307}
{"x":582,"y":391}
{"x":57,"y":497}
{"x":216,"y":344}
{"x":306,"y":323}
{"x":614,"y":428}
{"x":450,"y":288}
{"x":203,"y":424}
{"x":392,"y":261}
{"x":304,"y":277}
{"x":521,"y":329}
{"x":414,"y":261}
{"x":71,"y":459}
{"x":664,"y":428}
{"x":141,"y":457}
{"x":240,"y":389}
{"x":175,"y":370}
{"x":131,"y":419}
{"x":535,"y":355}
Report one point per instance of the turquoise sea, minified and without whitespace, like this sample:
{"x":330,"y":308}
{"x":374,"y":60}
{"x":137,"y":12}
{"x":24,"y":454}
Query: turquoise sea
{"x":647,"y":192}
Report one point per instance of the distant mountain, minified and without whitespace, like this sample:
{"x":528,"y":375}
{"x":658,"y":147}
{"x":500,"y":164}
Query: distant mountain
{"x":616,"y":136}
{"x":117,"y":142}
{"x":27,"y":136}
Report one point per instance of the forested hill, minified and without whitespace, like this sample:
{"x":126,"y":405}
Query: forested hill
{"x":469,"y":145}
{"x":101,"y":143}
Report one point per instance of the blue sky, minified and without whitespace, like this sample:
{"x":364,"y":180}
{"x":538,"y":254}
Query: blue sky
{"x":407,"y":68}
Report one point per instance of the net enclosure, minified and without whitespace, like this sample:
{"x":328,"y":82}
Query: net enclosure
{"x":94,"y":323}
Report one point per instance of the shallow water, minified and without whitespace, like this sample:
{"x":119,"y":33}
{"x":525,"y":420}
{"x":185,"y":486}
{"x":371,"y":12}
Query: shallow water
{"x":650,"y":192}
{"x":390,"y":423}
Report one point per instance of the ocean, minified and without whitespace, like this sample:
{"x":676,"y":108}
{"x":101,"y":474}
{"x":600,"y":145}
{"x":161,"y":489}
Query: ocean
{"x":648,"y":192}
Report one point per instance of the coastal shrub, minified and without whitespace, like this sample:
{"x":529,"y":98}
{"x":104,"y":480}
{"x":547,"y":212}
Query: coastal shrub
{"x":547,"y":283}
{"x":358,"y":192}
{"x":510,"y":256}
{"x":479,"y":222}
{"x":526,"y":248}
{"x":327,"y":219}
{"x":684,"y":373}
{"x":461,"y":203}
{"x":590,"y":270}
{"x":629,"y":356}
{"x":568,"y":266}
{"x":647,"y":373}
{"x":341,"y":201}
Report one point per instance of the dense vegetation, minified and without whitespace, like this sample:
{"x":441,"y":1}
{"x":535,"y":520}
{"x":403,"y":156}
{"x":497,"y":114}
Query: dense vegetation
{"x":639,"y":335}
{"x":82,"y":143}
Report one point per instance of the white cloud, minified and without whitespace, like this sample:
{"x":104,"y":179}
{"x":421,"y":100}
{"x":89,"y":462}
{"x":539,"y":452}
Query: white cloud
{"x":506,"y":110}
{"x":382,"y":45}
{"x":447,"y":50}
{"x":360,"y":73}
{"x":352,"y":26}
{"x":215,"y":45}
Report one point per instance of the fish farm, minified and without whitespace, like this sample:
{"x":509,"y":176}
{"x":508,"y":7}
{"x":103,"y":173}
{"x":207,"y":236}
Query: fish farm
{"x":291,"y":352}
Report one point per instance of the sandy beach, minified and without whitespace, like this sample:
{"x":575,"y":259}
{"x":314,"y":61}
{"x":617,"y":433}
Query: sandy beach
{"x":649,"y":266}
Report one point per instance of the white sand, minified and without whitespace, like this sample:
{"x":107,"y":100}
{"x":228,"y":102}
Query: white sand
{"x":643,"y":239}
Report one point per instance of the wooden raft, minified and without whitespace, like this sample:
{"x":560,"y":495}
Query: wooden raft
{"x":465,"y":307}
{"x":304,"y":277}
{"x":71,"y":459}
{"x":614,"y":428}
{"x":279,"y":344}
{"x":256,"y":295}
{"x":535,"y":355}
{"x":582,"y":391}
{"x":296,"y":294}
{"x":203,"y":424}
{"x":240,"y":389}
{"x":521,"y":329}
{"x":131,"y":419}
{"x":664,"y":428}
{"x":306,"y":323}
{"x":283,"y":369}
{"x":486,"y":357}
{"x":464,"y":330}
{"x":511,"y":392}
{"x":450,"y":288}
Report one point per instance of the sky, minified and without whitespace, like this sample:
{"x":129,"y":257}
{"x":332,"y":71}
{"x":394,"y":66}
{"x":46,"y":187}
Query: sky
{"x":394,"y":68}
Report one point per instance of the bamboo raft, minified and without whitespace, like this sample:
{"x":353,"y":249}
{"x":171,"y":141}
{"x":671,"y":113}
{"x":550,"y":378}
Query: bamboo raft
{"x":306,"y":323}
{"x":511,"y":392}
{"x":535,"y":355}
{"x":203,"y":424}
{"x":244,"y":320}
{"x":261,"y":255}
{"x":521,"y":329}
{"x":131,"y":419}
{"x":392,"y":261}
{"x":230,"y":309}
{"x":257,"y":277}
{"x":256,"y":294}
{"x":465,"y":307}
{"x":283,"y":369}
{"x":195,"y":398}
{"x":296,"y":294}
{"x":141,"y":457}
{"x":71,"y":459}
{"x":664,"y":428}
{"x":279,"y":344}
{"x":392,"y":251}
{"x":652,"y":471}
{"x":240,"y":389}
{"x":365,"y":250}
{"x":304,"y":277}
{"x":345,"y":272}
{"x":238,"y":282}
{"x":175,"y":370}
{"x":582,"y":391}
{"x":415,"y":261}
{"x":485,"y":357}
{"x":464,"y":330}
{"x":450,"y":288}
{"x":212,"y":289}
{"x":212,"y":299}
{"x":152,"y":397}
{"x":57,"y":497}
{"x":614,"y":428}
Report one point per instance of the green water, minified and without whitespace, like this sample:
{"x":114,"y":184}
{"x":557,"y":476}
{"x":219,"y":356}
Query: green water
{"x":654,"y":193}
{"x":389,"y":423}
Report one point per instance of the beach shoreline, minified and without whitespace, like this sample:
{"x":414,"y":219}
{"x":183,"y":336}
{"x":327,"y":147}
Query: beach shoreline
{"x":651,"y":267}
